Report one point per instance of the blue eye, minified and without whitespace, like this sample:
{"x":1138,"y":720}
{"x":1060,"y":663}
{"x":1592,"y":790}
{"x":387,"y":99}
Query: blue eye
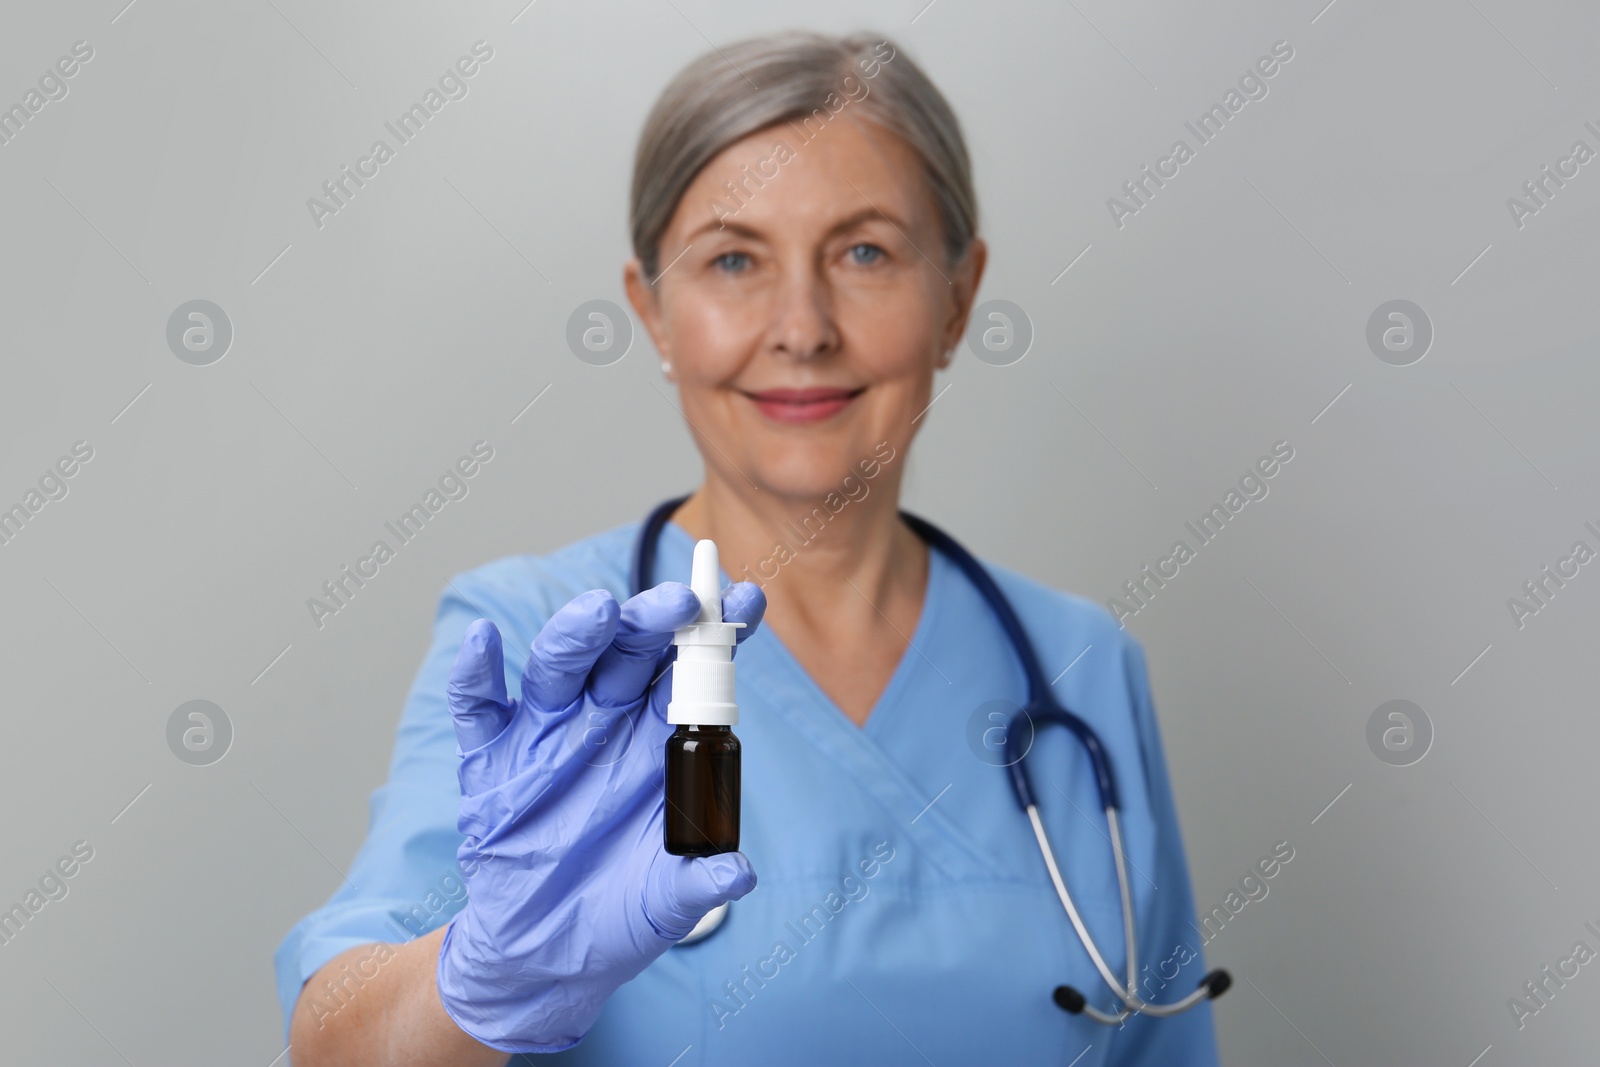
{"x":733,"y":262}
{"x":873,"y":253}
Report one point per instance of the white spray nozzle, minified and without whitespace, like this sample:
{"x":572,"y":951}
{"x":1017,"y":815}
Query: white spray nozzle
{"x":706,"y":581}
{"x":702,"y":677}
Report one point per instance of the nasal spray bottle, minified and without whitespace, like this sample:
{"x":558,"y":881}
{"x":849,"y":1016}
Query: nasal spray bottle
{"x":702,"y":816}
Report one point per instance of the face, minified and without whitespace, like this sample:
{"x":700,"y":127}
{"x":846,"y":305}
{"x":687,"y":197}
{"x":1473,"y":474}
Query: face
{"x":804,"y":319}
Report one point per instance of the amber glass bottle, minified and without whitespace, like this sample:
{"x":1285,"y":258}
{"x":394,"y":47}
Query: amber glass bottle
{"x":702,"y":765}
{"x":702,"y":814}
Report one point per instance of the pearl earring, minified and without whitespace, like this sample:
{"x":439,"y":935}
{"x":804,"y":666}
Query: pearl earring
{"x":666,"y":368}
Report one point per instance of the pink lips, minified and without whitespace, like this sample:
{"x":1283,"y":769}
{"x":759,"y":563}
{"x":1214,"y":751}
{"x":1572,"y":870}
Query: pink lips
{"x":802,"y":405}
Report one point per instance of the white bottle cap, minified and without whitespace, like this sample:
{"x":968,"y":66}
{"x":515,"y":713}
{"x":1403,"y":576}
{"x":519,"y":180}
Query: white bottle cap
{"x":702,"y":677}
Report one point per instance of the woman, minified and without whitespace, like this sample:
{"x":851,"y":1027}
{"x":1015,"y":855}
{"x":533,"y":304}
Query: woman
{"x":804,"y":229}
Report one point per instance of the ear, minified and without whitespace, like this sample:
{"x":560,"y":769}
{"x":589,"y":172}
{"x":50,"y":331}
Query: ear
{"x":646,"y":301}
{"x":963,"y":291}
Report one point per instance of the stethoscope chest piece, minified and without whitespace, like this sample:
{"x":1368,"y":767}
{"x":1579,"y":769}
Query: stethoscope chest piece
{"x":706,"y":926}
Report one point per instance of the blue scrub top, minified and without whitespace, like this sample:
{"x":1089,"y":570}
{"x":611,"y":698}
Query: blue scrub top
{"x":903,"y":913}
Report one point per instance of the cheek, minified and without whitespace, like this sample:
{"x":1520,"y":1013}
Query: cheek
{"x":891,"y":335}
{"x":710,"y":339}
{"x":897,"y":352}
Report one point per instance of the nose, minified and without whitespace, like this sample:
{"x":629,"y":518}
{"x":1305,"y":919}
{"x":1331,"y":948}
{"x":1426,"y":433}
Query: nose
{"x":802,"y":326}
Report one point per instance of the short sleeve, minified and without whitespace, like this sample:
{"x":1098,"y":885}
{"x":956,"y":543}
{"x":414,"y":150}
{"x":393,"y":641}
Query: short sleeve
{"x":405,"y":880}
{"x":1167,"y":939}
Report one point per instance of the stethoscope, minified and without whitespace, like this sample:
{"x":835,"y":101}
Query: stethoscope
{"x":1042,"y":709}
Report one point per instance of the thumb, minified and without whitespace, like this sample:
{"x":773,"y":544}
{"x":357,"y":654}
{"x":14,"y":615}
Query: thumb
{"x":680,"y":890}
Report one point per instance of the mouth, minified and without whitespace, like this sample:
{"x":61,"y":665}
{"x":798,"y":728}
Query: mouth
{"x":803,"y":405}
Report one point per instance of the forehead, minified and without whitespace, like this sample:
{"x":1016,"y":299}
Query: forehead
{"x":796,"y":174}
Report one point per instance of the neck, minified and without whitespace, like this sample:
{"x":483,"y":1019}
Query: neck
{"x":805,"y":555}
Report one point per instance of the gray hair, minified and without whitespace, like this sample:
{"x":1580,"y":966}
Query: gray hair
{"x":731,"y":92}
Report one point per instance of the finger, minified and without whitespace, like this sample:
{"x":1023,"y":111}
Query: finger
{"x":561,"y":657}
{"x":681,"y":890}
{"x":476,"y":691}
{"x":644,"y":630}
{"x":744,"y":602}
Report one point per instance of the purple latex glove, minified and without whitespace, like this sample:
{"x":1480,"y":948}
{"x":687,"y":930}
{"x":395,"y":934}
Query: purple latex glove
{"x":569,"y":891}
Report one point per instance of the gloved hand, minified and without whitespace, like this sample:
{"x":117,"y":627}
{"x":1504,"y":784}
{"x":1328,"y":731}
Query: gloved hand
{"x":569,"y":890}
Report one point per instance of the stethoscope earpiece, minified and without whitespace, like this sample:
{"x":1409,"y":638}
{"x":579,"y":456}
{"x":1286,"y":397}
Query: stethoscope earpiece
{"x":1069,"y":1000}
{"x":1217,"y":983}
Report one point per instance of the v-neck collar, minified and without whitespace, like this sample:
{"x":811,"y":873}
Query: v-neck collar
{"x":911,"y":658}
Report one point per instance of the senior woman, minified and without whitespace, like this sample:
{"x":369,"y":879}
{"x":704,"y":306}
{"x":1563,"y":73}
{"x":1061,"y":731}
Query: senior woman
{"x":806,"y":257}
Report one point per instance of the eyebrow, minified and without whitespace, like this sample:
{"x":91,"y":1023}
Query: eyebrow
{"x":846,"y":223}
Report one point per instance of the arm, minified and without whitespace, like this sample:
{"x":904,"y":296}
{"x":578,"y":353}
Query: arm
{"x":404,"y":882}
{"x":544,"y":835}
{"x":393,"y":1018}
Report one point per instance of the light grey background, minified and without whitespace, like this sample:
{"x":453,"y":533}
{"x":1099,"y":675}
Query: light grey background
{"x":1225,"y":316}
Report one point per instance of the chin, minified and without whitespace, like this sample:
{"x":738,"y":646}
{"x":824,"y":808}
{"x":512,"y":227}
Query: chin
{"x":806,"y":471}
